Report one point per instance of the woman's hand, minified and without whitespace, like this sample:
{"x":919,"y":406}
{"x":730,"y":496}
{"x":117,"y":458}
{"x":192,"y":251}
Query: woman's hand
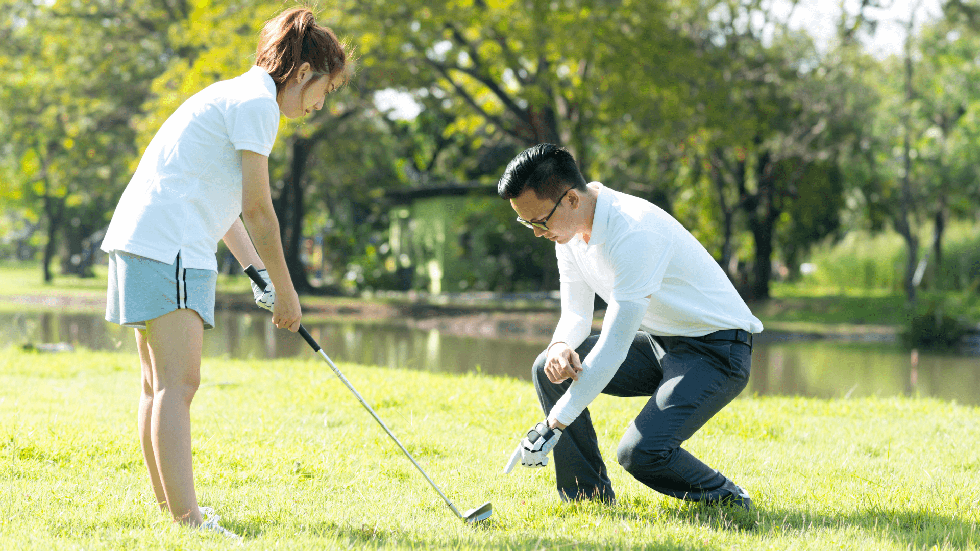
{"x":286,"y":313}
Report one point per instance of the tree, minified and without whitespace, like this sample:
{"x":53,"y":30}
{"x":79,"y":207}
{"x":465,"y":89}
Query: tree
{"x":946,"y":75}
{"x":601,"y":78}
{"x":69,"y":101}
{"x":534,"y":70}
{"x":772,"y":109}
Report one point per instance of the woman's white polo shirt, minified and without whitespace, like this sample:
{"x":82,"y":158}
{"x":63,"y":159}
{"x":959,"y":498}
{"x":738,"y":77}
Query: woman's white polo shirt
{"x":187,"y":190}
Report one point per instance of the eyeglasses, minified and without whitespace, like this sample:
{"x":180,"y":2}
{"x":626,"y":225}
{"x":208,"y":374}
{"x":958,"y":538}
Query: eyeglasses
{"x":543,"y":225}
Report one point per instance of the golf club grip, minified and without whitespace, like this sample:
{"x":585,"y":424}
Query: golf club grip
{"x":253,"y":274}
{"x":309,"y":338}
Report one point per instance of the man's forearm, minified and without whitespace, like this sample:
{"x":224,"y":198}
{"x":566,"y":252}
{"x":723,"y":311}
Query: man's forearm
{"x":619,"y":327}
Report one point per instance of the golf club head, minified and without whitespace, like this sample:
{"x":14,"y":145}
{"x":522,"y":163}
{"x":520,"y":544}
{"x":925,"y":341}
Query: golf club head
{"x":482,"y":512}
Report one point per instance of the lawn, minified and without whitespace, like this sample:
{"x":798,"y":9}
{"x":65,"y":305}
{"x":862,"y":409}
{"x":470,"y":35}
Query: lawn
{"x":289,"y":458}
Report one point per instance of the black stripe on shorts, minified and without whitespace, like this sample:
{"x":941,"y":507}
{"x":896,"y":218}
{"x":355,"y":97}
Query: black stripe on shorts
{"x":177,"y":279}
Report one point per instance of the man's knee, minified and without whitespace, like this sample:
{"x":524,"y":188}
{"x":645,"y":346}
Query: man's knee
{"x":636,"y":456}
{"x":537,"y":370}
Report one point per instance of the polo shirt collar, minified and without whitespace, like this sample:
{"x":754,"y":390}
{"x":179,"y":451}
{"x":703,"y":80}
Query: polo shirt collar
{"x":600,"y":220}
{"x":265,"y":77}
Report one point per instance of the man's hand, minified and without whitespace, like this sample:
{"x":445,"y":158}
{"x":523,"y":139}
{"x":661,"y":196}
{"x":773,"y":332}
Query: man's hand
{"x":534,"y":448}
{"x":562,"y":363}
{"x":265,"y":299}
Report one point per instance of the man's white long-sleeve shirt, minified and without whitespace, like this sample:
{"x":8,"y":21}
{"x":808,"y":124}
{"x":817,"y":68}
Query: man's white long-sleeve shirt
{"x":653,"y":275}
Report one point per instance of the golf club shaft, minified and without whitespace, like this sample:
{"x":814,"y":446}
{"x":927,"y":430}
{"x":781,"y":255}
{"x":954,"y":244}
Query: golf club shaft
{"x":254,"y":275}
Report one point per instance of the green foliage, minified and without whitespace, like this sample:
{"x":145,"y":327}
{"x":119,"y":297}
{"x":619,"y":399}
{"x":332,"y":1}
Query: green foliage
{"x":718,"y":111}
{"x":865,"y":261}
{"x":859,"y":261}
{"x":934,"y":326}
{"x":814,"y":214}
{"x":67,"y":101}
{"x":961,"y":259}
{"x":502,"y":255}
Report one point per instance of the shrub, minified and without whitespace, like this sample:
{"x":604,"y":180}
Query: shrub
{"x":932,"y":326}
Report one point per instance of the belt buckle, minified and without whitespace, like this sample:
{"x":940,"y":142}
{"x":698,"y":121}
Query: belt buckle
{"x":748,"y":336}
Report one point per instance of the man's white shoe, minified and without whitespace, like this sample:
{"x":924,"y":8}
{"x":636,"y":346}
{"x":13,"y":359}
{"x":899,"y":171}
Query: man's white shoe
{"x":210,"y":523}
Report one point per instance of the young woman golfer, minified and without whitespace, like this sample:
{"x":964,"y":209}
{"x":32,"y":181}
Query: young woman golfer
{"x":204,"y":171}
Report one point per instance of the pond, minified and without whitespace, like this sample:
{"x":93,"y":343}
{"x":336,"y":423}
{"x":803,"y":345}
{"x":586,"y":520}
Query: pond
{"x":781,"y":364}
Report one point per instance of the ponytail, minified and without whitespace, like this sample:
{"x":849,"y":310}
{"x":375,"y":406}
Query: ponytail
{"x":293,"y":38}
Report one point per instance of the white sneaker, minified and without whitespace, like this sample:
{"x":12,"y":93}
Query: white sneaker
{"x":210,"y":523}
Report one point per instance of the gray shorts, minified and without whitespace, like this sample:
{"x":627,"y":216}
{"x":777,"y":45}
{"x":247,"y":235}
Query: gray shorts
{"x":142,"y":289}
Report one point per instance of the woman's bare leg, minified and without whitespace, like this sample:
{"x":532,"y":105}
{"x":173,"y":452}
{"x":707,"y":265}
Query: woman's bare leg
{"x":144,"y":416}
{"x":174,"y":342}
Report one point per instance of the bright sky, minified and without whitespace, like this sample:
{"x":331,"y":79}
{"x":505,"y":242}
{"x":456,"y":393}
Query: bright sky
{"x":818,"y":18}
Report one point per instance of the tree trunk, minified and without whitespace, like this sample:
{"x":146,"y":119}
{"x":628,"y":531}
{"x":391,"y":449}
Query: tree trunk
{"x":903,"y":226}
{"x":72,"y":258}
{"x":539,"y":125}
{"x":80,"y":248}
{"x":726,"y":225}
{"x":937,"y":244}
{"x":727,"y":210}
{"x":54,"y":208}
{"x":289,"y":209}
{"x":762,"y":232}
{"x":763,"y":214}
{"x":903,"y":222}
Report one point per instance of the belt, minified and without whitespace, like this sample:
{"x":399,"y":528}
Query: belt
{"x":736,"y":335}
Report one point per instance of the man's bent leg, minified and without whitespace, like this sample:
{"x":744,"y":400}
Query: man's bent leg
{"x":699,"y":380}
{"x":579,"y":469}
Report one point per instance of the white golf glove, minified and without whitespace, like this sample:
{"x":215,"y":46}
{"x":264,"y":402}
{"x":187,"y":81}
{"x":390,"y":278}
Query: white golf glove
{"x":265,"y":299}
{"x":534,"y":448}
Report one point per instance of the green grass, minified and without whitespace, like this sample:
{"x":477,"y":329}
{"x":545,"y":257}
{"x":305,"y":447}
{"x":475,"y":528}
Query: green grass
{"x":801,"y":308}
{"x":289,"y":458}
{"x":25,"y":278}
{"x":862,"y":260}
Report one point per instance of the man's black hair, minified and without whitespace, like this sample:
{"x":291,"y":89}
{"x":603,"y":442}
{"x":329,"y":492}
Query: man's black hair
{"x":547,"y":169}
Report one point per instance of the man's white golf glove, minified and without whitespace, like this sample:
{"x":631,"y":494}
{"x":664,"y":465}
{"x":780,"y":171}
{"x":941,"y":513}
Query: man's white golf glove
{"x":265,"y":299}
{"x":534,"y":448}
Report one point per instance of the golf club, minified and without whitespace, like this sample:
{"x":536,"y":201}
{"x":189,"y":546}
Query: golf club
{"x":474,"y":515}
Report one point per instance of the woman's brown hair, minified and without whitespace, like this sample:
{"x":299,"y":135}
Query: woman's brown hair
{"x":292,"y":38}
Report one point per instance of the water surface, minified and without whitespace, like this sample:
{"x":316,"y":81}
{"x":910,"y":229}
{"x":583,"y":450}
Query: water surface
{"x":780,"y":365}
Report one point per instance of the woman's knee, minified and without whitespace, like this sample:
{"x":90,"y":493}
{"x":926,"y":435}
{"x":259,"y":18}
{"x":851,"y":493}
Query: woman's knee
{"x":180,"y":380}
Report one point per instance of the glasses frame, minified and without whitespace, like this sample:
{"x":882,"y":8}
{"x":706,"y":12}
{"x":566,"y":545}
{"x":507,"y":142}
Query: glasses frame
{"x":543,"y":224}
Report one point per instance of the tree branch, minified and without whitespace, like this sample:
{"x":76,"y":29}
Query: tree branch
{"x":481,"y":76}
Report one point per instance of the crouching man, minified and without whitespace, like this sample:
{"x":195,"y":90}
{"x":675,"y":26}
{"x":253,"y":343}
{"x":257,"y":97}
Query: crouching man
{"x":675,"y":330}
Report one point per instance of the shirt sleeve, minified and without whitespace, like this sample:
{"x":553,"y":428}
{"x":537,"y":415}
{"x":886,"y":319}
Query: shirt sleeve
{"x":619,"y":327}
{"x":639,"y":259}
{"x":568,"y":270}
{"x":253,"y":125}
{"x":577,"y":309}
